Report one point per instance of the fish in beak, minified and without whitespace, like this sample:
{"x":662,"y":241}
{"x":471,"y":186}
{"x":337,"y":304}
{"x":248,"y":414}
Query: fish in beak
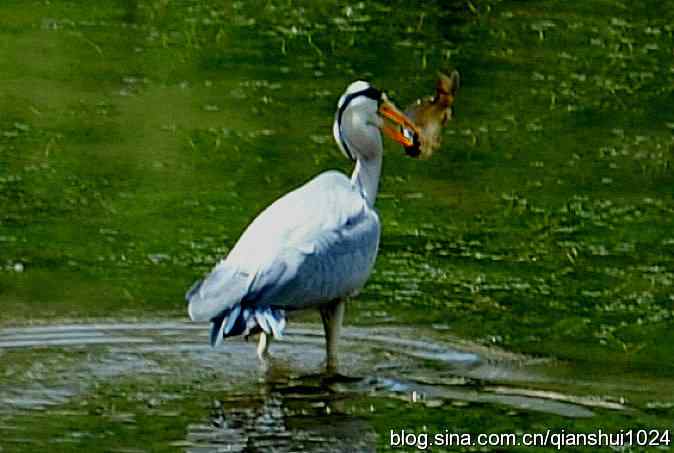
{"x":398,"y":126}
{"x":431,"y":114}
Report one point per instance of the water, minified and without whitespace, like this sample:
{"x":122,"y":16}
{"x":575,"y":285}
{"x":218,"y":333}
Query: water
{"x":139,"y":138}
{"x":124,"y":375}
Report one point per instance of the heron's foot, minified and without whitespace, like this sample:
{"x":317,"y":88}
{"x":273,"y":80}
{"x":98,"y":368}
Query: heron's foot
{"x":331,"y":364}
{"x":332,"y":316}
{"x":265,"y":365}
{"x":263,"y":347}
{"x":324,"y":379}
{"x":337,"y":378}
{"x":333,"y":376}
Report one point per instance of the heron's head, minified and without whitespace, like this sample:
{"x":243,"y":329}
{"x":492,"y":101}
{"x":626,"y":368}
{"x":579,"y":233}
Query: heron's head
{"x":363,"y":112}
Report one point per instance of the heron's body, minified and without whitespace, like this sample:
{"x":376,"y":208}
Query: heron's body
{"x":313,"y":247}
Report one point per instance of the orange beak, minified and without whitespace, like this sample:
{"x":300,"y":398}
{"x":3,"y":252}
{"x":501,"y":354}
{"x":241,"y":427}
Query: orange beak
{"x":403,"y":130}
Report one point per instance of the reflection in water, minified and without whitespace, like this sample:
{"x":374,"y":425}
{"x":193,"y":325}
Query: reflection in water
{"x":283,"y":404}
{"x":285,"y":416}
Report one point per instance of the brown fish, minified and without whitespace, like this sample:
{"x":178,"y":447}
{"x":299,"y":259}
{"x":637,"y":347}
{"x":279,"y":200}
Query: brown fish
{"x":432,"y":113}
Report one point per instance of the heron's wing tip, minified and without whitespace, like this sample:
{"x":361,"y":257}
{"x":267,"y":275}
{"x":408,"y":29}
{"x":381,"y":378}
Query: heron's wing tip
{"x":245,"y":321}
{"x":193,"y":290}
{"x":215,"y":337}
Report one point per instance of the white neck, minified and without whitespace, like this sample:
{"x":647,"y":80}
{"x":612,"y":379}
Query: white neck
{"x":366,"y":177}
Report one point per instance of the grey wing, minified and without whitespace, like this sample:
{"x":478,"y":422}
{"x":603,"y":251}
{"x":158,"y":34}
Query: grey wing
{"x":330,"y":264}
{"x":224,"y":287}
{"x":312,"y":245}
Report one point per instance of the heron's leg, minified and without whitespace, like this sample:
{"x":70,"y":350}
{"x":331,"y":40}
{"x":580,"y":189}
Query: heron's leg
{"x":263,"y":346}
{"x":332,"y":316}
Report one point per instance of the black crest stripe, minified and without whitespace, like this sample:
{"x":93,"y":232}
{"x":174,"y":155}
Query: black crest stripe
{"x":369,"y":92}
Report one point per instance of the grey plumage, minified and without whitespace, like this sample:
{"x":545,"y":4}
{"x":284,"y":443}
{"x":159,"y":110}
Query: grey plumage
{"x":314,"y":246}
{"x":281,"y":264}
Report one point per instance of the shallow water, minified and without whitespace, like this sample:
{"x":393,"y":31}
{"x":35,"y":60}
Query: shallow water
{"x":252,"y":403}
{"x":110,"y":378}
{"x":525,"y":275}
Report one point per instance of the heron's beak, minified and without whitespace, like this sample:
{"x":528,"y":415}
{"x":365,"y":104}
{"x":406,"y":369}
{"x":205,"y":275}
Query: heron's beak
{"x":402,"y":129}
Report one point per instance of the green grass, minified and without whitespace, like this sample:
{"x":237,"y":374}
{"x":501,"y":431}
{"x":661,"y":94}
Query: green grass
{"x":139,"y":138}
{"x":161,"y":129}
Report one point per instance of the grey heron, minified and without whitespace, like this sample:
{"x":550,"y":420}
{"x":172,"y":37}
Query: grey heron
{"x":314,"y":246}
